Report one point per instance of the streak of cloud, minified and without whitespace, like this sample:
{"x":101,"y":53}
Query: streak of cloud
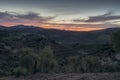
{"x":27,"y":18}
{"x":100,"y":18}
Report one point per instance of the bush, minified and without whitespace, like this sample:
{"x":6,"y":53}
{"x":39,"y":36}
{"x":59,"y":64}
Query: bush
{"x":47,"y":63}
{"x":19,"y":71}
{"x":28,"y":60}
{"x":91,"y":64}
{"x":116,"y":40}
{"x":73,"y":64}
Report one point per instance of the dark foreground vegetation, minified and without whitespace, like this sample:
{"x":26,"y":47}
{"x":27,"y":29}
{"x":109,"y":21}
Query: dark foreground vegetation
{"x":25,"y":51}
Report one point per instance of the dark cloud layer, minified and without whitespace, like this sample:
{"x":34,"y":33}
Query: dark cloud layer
{"x":49,"y":2}
{"x":14,"y":17}
{"x":100,"y":18}
{"x":62,"y":6}
{"x":28,"y":16}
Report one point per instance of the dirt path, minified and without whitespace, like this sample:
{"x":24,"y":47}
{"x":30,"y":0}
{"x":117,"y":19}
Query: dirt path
{"x":85,"y":76}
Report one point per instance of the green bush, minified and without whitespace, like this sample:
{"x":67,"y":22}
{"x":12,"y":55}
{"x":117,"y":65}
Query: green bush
{"x":47,"y":63}
{"x":73,"y":64}
{"x":29,"y":60}
{"x":91,"y":64}
{"x":20,"y":71}
{"x":116,"y":40}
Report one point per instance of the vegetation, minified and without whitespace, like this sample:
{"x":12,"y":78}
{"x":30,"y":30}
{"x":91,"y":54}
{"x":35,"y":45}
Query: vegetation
{"x":116,"y":40}
{"x":47,"y":63}
{"x":27,"y":52}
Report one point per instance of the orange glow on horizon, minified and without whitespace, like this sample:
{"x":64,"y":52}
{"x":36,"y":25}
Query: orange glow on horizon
{"x":59,"y":27}
{"x":72,"y":28}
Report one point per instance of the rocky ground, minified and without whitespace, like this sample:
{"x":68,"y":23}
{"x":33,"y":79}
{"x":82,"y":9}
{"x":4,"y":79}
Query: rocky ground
{"x":73,"y":76}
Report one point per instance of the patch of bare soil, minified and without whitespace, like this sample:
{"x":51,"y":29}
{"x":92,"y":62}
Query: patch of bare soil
{"x":70,"y":76}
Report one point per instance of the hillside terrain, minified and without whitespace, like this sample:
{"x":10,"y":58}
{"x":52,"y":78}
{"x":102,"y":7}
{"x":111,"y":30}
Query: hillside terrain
{"x":29,"y":50}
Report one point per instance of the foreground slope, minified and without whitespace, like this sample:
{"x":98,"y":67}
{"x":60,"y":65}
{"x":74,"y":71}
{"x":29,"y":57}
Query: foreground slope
{"x":84,"y":76}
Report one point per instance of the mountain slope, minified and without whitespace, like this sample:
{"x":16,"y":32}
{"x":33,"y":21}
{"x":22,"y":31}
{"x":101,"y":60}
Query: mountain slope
{"x":69,"y":37}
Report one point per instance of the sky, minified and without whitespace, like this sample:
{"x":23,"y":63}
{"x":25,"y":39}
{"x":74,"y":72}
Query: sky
{"x":73,"y":15}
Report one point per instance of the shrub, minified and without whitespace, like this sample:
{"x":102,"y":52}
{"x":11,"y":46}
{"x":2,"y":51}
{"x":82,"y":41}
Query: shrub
{"x":116,"y":40}
{"x":20,"y":71}
{"x":29,"y":60}
{"x":73,"y":64}
{"x":47,"y":61}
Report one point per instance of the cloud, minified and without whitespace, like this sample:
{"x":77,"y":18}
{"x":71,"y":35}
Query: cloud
{"x":100,"y":18}
{"x":31,"y":18}
{"x":30,"y":15}
{"x":35,"y":19}
{"x":4,"y":15}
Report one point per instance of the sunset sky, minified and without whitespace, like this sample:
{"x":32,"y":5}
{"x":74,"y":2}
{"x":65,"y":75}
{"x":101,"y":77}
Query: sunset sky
{"x":73,"y":15}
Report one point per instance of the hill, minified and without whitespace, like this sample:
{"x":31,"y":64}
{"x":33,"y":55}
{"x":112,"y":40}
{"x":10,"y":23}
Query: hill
{"x":69,"y":51}
{"x":68,"y":37}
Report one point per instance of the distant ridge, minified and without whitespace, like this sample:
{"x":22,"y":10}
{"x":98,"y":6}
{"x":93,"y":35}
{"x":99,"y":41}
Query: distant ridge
{"x":68,"y":37}
{"x":23,"y":27}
